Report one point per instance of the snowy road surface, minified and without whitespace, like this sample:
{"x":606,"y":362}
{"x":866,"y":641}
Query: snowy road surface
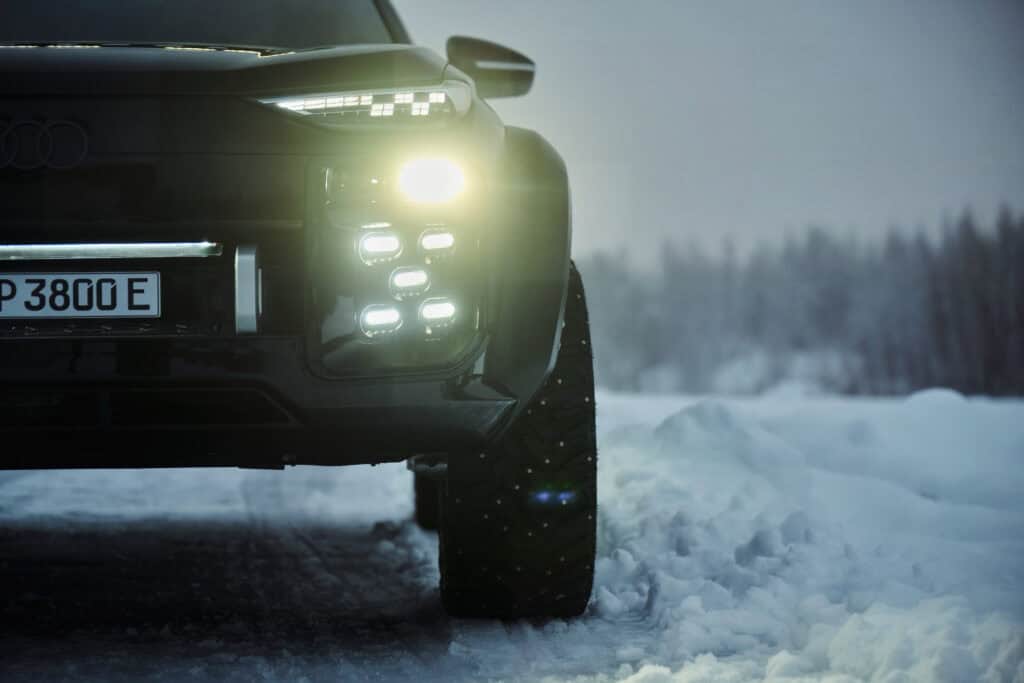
{"x":772,"y":539}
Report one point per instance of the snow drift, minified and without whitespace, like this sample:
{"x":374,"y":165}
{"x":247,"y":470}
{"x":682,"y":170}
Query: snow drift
{"x":863,"y":540}
{"x":774,"y":539}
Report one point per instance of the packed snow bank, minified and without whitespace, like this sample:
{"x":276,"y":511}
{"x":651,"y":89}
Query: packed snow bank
{"x":789,"y":541}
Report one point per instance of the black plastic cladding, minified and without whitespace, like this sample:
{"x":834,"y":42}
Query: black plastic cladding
{"x":531,"y":266}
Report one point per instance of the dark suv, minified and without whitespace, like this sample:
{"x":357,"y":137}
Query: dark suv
{"x":274,"y":232}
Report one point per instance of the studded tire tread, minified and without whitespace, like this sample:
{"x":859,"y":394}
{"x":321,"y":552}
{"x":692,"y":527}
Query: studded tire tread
{"x":505,"y":552}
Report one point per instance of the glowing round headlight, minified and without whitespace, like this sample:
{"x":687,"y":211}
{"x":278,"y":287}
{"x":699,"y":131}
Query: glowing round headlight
{"x":431,"y":181}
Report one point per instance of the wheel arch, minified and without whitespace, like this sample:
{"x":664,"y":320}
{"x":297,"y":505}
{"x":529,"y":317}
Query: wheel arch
{"x":530,"y":266}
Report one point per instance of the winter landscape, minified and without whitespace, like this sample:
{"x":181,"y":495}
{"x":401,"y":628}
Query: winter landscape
{"x":782,"y":538}
{"x":800,"y":229}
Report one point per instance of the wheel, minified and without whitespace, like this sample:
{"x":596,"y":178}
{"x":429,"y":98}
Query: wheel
{"x":427,"y":493}
{"x":518,"y":522}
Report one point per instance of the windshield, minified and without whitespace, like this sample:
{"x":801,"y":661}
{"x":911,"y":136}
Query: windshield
{"x":288,"y":24}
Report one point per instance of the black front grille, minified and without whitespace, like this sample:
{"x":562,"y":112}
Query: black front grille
{"x":194,"y":407}
{"x":138,"y":408}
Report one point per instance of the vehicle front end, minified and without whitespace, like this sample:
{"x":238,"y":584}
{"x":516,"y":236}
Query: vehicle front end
{"x":330,"y":250}
{"x":219,"y":253}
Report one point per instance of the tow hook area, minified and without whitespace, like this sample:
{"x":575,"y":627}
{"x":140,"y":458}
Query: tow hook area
{"x":431,"y":465}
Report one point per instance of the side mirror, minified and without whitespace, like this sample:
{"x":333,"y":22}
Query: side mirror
{"x":497,"y":70}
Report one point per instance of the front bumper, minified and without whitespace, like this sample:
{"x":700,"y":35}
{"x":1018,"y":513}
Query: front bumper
{"x":245,"y":402}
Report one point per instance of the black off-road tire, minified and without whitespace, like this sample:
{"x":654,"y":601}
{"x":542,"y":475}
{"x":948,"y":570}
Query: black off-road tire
{"x":518,"y":521}
{"x":427,"y":494}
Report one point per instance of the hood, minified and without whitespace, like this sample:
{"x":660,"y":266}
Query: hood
{"x":120,"y":70}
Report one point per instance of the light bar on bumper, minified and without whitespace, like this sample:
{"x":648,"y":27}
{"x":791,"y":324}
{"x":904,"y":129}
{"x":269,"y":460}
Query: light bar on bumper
{"x":126,"y":250}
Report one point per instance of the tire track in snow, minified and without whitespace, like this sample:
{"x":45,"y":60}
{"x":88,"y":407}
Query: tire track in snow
{"x":341,"y":576}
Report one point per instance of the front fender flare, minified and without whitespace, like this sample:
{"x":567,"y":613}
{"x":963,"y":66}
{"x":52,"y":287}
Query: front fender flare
{"x":529,"y":266}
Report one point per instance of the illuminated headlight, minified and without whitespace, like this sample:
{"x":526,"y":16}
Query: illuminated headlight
{"x":431,"y":180}
{"x":378,"y":247}
{"x":410,"y":105}
{"x":437,"y":312}
{"x":380,"y":319}
{"x":406,"y":282}
{"x":437,"y":241}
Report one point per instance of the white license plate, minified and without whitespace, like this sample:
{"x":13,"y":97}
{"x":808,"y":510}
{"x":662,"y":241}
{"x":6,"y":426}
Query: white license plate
{"x":80,"y":295}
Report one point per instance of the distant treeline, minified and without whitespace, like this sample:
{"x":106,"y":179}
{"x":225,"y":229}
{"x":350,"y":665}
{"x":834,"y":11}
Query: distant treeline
{"x":907,"y":313}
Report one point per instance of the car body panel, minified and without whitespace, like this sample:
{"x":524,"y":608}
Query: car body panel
{"x":165,"y":71}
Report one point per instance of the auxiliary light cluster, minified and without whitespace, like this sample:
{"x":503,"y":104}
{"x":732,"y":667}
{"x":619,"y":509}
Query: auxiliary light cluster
{"x":379,"y":244}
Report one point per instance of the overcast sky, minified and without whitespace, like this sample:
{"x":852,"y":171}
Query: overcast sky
{"x":754,"y":119}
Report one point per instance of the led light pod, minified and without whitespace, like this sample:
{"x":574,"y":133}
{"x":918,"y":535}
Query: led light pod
{"x":380,"y":319}
{"x":437,"y":313}
{"x":379,"y":247}
{"x":409,"y":282}
{"x":437,"y":241}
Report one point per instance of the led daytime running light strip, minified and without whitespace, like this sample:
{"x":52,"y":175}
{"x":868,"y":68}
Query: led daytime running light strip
{"x":448,"y":99}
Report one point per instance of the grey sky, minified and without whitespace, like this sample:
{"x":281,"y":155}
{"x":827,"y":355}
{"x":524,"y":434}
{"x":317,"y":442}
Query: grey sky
{"x":755,"y":118}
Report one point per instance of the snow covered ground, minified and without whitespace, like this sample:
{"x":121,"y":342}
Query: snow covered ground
{"x":780,"y":539}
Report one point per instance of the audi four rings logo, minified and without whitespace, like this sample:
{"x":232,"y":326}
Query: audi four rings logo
{"x":28,"y":145}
